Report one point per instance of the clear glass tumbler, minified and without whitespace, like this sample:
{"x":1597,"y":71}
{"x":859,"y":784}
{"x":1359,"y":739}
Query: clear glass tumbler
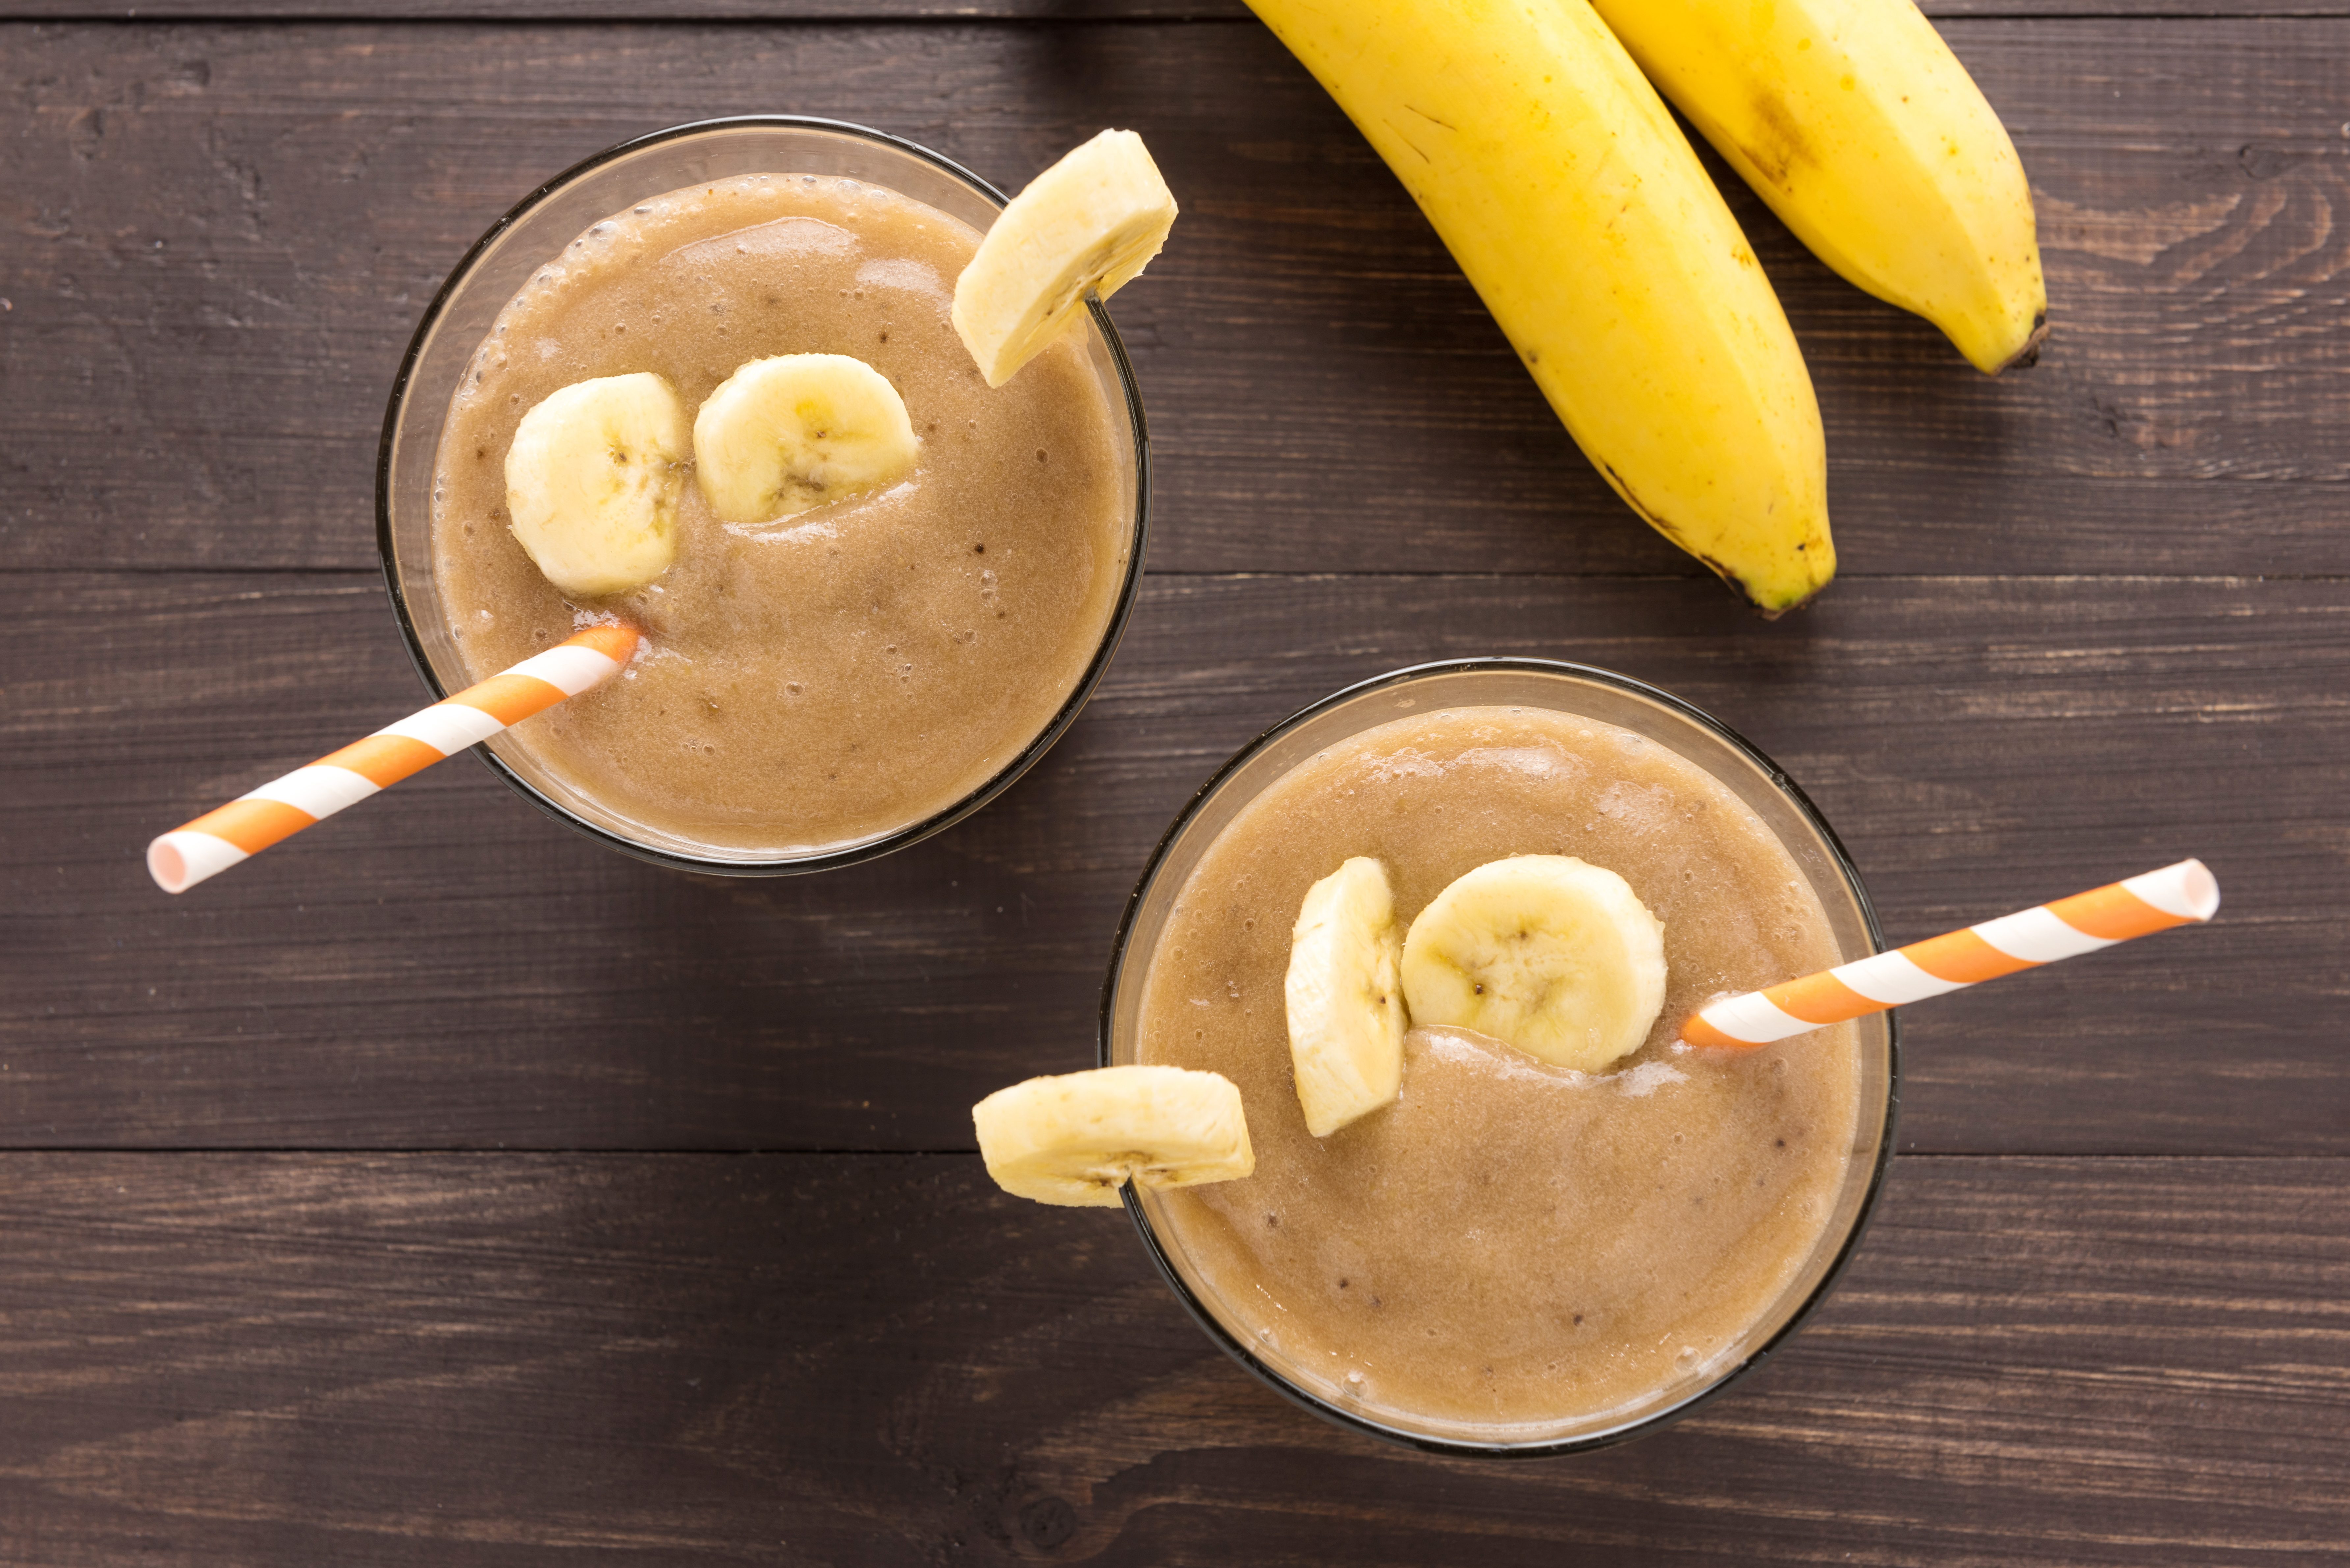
{"x":494,"y":271}
{"x":1583,"y":691}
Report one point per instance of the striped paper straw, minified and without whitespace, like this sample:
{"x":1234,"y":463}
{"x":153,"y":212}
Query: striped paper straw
{"x":2174,"y":895}
{"x":283,"y":808}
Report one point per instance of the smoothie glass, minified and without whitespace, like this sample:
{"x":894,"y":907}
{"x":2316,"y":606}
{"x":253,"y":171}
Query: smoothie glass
{"x":540,"y":226}
{"x":1581,"y":691}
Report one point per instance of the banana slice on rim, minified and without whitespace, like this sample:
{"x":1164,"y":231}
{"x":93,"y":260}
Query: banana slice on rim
{"x":1545,"y":952}
{"x":593,"y":482}
{"x":1075,"y":1139}
{"x":783,"y":435}
{"x":1089,"y":223}
{"x":1345,"y":997}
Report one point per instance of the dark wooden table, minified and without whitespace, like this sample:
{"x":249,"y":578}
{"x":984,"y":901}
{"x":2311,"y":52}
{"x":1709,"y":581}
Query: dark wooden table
{"x":443,"y":1189}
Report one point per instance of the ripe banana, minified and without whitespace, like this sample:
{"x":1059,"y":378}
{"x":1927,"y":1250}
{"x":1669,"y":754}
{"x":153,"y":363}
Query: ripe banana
{"x":1544,"y":952}
{"x":592,"y":483}
{"x":1856,"y":122}
{"x":1076,"y":1139}
{"x":1089,"y":223}
{"x":1550,"y":167}
{"x":780,"y":436}
{"x":1346,"y":1004}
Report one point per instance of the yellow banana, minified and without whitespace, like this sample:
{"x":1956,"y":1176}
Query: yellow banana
{"x":1550,"y":167}
{"x":1856,"y":122}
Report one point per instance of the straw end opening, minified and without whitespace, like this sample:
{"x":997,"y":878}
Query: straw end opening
{"x":2187,"y":891}
{"x":2199,"y":888}
{"x":179,"y":859}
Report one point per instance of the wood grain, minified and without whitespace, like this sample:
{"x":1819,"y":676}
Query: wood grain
{"x":471,"y":1359}
{"x":443,"y":967}
{"x":218,"y":238}
{"x":769,"y":11}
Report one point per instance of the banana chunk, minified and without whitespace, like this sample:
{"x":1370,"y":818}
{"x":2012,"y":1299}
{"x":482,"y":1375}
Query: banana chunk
{"x":780,"y":436}
{"x":1555,"y":957}
{"x":593,"y":482}
{"x":1345,"y":998}
{"x":1075,"y":1139}
{"x":1089,"y":223}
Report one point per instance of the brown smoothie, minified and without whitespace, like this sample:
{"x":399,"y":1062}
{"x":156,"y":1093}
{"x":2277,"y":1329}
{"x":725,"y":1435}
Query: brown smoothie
{"x":826,"y":679}
{"x":1509,"y":1244}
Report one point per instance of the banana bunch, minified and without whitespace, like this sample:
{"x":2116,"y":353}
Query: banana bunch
{"x":1574,"y":204}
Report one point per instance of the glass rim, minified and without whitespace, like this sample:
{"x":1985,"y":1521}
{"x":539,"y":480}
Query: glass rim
{"x":1624,"y":1431}
{"x":1113,"y":634}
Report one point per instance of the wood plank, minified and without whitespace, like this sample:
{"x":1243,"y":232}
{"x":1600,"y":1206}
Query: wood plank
{"x":457,"y":1360}
{"x":574,"y":11}
{"x":443,"y":967}
{"x":946,"y":10}
{"x":217,"y":239}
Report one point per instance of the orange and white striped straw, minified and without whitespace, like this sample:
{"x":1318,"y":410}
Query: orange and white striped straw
{"x":284,"y":807}
{"x":2174,"y":895}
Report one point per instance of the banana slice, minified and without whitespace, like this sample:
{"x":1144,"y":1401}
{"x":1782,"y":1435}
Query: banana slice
{"x":1346,"y":1004}
{"x":782,"y":435}
{"x":1087,"y":224}
{"x":1555,"y":957}
{"x":592,"y":483}
{"x":1073,"y":1139}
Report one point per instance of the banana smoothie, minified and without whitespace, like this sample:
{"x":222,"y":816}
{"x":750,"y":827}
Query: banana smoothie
{"x":855,"y":659}
{"x":1510,"y":1243}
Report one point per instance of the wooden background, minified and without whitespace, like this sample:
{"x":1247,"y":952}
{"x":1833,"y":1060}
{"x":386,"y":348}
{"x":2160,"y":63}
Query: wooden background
{"x":443,"y":1189}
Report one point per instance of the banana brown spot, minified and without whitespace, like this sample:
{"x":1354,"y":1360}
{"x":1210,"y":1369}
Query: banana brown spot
{"x":1781,"y":146}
